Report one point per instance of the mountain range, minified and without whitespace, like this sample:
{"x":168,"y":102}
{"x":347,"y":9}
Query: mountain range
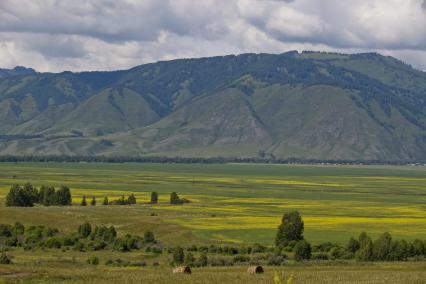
{"x":309,"y":105}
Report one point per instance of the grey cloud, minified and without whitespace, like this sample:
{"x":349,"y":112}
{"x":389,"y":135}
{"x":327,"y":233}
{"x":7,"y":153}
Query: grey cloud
{"x":111,"y":34}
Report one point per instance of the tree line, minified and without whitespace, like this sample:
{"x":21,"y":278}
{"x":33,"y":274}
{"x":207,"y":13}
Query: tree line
{"x":262,"y":158}
{"x":290,"y":238}
{"x":28,"y":195}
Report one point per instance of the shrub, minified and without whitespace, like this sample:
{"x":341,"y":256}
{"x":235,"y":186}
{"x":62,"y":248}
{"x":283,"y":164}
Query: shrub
{"x":178,"y":255}
{"x":302,"y":250}
{"x":221,"y":261}
{"x":148,"y":237}
{"x":319,"y":256}
{"x":202,"y":260}
{"x":84,"y":230}
{"x":241,"y":258}
{"x":258,"y":248}
{"x":189,"y":259}
{"x":276,"y":259}
{"x":93,"y":260}
{"x":5,"y":258}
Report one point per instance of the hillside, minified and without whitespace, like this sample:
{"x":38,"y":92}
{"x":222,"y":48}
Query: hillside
{"x":302,"y":105}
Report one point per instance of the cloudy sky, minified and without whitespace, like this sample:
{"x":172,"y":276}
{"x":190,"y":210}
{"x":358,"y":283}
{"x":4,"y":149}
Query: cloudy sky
{"x":55,"y":35}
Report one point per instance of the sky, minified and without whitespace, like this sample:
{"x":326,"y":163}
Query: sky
{"x":77,"y":35}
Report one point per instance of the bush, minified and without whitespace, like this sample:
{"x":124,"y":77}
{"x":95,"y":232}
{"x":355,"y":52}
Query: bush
{"x":302,"y":250}
{"x":258,"y":248}
{"x":93,"y":260}
{"x":5,"y":258}
{"x":319,"y":256}
{"x":241,"y":259}
{"x":189,"y":259}
{"x":276,"y":259}
{"x":148,"y":237}
{"x":337,"y":253}
{"x":178,"y":255}
{"x":202,"y":260}
{"x":221,"y":261}
{"x":85,"y":229}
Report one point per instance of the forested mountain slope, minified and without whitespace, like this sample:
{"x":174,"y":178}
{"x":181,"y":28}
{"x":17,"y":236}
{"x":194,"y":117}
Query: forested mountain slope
{"x":302,"y":105}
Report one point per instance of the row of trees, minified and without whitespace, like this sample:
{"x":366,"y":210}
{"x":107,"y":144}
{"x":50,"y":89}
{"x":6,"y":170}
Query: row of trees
{"x":263,"y":157}
{"x":131,"y":199}
{"x":27,"y":195}
{"x":290,"y":238}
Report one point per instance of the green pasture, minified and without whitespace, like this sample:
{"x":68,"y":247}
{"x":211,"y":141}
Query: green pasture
{"x":230,"y":202}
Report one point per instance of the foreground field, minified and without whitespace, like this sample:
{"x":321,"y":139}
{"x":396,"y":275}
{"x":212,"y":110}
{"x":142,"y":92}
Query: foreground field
{"x":64,"y":271}
{"x":231,"y":203}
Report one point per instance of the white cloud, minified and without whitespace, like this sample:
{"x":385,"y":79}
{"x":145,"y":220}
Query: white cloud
{"x":57,"y":35}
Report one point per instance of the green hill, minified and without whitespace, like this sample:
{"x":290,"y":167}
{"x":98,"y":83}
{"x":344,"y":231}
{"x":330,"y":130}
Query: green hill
{"x":304,"y":105}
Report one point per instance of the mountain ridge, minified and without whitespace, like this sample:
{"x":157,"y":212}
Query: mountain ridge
{"x":309,"y":105}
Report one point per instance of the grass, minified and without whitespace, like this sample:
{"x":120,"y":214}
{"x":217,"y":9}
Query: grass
{"x":66,"y":271}
{"x":239,"y":203}
{"x":229,"y":203}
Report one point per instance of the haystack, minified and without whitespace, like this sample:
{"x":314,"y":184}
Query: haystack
{"x":182,"y":269}
{"x":255,"y":269}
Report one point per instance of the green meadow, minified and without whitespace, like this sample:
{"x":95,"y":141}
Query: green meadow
{"x":241,"y":203}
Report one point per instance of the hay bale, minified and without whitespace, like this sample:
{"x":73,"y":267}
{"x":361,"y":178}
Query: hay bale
{"x":255,"y":269}
{"x":182,"y":269}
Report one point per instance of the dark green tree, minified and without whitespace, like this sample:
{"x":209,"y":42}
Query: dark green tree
{"x":382,"y":247}
{"x":131,"y":199}
{"x":83,"y":201}
{"x":353,"y":245}
{"x":302,"y":250}
{"x":105,"y":202}
{"x":365,"y":253}
{"x":291,"y":229}
{"x":154,"y":197}
{"x":178,"y":255}
{"x":363,"y":239}
{"x":93,"y":201}
{"x":63,"y":196}
{"x":418,"y":247}
{"x":47,"y":195}
{"x":31,"y":192}
{"x":18,"y":196}
{"x":174,"y":198}
{"x":398,"y":251}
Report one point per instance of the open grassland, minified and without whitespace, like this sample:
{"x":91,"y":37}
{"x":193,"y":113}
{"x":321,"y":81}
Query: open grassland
{"x":238,"y":203}
{"x":64,"y":270}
